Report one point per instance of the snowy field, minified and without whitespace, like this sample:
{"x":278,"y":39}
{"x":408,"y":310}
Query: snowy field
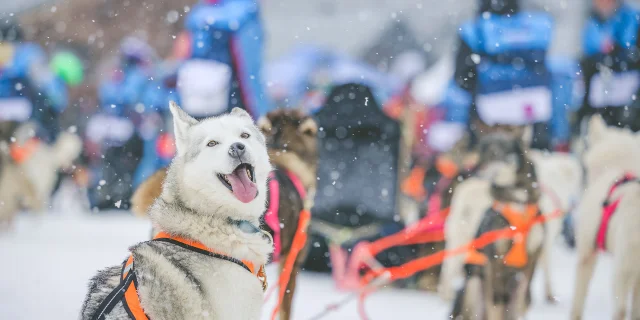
{"x":47,"y":261}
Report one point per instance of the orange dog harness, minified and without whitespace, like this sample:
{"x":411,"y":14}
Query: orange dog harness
{"x":22,"y":152}
{"x":127,"y":291}
{"x":521,"y":223}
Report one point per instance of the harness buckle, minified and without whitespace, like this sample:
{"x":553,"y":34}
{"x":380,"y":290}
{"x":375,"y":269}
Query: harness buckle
{"x":262,"y":276}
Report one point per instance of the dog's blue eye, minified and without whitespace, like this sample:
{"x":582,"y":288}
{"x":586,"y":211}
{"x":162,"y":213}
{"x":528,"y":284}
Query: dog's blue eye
{"x":212,"y":143}
{"x":245,"y":135}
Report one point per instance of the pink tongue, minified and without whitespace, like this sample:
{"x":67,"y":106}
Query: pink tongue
{"x":243,"y":188}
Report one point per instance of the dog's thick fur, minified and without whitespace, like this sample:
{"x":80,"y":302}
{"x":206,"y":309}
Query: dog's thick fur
{"x":28,"y":185}
{"x":291,"y":143}
{"x":611,"y":152}
{"x":175,"y":283}
{"x":561,"y":182}
{"x":496,"y":290}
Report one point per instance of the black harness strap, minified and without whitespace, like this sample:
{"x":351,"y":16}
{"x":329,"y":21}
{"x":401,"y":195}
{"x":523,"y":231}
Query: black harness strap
{"x":115,"y":296}
{"x":125,"y":305}
{"x":205,"y":252}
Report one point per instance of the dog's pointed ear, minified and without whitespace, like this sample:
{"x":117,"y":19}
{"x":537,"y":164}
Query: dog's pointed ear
{"x":597,"y":128}
{"x":264,"y":124}
{"x":308,"y":126}
{"x":181,"y":124}
{"x":239,"y":112}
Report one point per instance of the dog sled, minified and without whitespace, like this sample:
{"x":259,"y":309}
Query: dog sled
{"x":358,"y":195}
{"x":359,"y":211}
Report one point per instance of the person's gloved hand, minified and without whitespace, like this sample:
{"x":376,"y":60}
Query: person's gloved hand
{"x":562,"y":147}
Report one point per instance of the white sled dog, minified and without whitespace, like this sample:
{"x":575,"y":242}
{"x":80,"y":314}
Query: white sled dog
{"x":29,"y":183}
{"x":612,"y":161}
{"x":200,"y":265}
{"x":560,"y":179}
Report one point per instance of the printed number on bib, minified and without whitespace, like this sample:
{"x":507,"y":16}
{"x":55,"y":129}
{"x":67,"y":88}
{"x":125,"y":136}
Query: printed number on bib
{"x":442,"y":136}
{"x":15,"y":109}
{"x":613,"y":89}
{"x":515,"y":107}
{"x":204,"y":87}
{"x":109,"y":129}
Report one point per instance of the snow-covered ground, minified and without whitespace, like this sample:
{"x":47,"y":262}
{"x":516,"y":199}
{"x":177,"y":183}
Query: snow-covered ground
{"x":47,"y":261}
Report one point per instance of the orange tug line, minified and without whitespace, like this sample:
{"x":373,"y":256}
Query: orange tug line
{"x":299,"y":241}
{"x":412,"y":267}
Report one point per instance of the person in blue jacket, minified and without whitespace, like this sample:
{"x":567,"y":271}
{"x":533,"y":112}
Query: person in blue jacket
{"x":115,"y":134}
{"x":226,"y":49}
{"x":157,"y":129}
{"x":121,"y":90}
{"x":610,"y":65}
{"x":566,"y":99}
{"x":29,"y":90}
{"x":501,"y":75}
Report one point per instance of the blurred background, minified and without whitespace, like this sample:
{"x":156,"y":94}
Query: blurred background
{"x":103,"y":72}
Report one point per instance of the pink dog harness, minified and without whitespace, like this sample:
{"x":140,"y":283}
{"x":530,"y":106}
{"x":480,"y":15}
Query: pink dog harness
{"x":271,"y":217}
{"x":609,"y":208}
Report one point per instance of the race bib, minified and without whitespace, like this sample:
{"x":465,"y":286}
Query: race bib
{"x":204,"y":87}
{"x":109,"y":129}
{"x":442,"y":136}
{"x":613,"y":89}
{"x":15,"y":109}
{"x":515,"y":107}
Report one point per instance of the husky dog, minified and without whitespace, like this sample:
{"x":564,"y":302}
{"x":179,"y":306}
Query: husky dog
{"x":496,"y":289}
{"x":291,"y":144}
{"x":469,"y":195}
{"x":560,"y":181}
{"x":561,"y":178}
{"x":214,"y":193}
{"x":28,"y":184}
{"x":610,"y":154}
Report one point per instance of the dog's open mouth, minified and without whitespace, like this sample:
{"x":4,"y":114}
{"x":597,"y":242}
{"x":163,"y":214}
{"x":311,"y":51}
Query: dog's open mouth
{"x":241,"y":182}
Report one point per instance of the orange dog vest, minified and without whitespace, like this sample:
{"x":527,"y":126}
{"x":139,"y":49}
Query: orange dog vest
{"x":127,"y":292}
{"x":520,"y":222}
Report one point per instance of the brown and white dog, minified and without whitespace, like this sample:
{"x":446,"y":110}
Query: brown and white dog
{"x":291,"y":144}
{"x":498,"y":287}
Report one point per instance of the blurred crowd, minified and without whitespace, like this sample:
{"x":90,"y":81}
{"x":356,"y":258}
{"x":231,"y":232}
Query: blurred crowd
{"x":501,"y":74}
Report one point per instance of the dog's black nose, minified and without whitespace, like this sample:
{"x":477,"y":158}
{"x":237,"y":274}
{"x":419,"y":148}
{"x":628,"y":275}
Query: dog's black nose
{"x":236,"y":150}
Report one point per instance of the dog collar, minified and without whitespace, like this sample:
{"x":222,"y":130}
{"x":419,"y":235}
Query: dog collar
{"x":244,"y":225}
{"x":201,"y":248}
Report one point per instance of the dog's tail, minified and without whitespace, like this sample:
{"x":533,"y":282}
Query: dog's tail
{"x":147,"y":192}
{"x":66,"y":149}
